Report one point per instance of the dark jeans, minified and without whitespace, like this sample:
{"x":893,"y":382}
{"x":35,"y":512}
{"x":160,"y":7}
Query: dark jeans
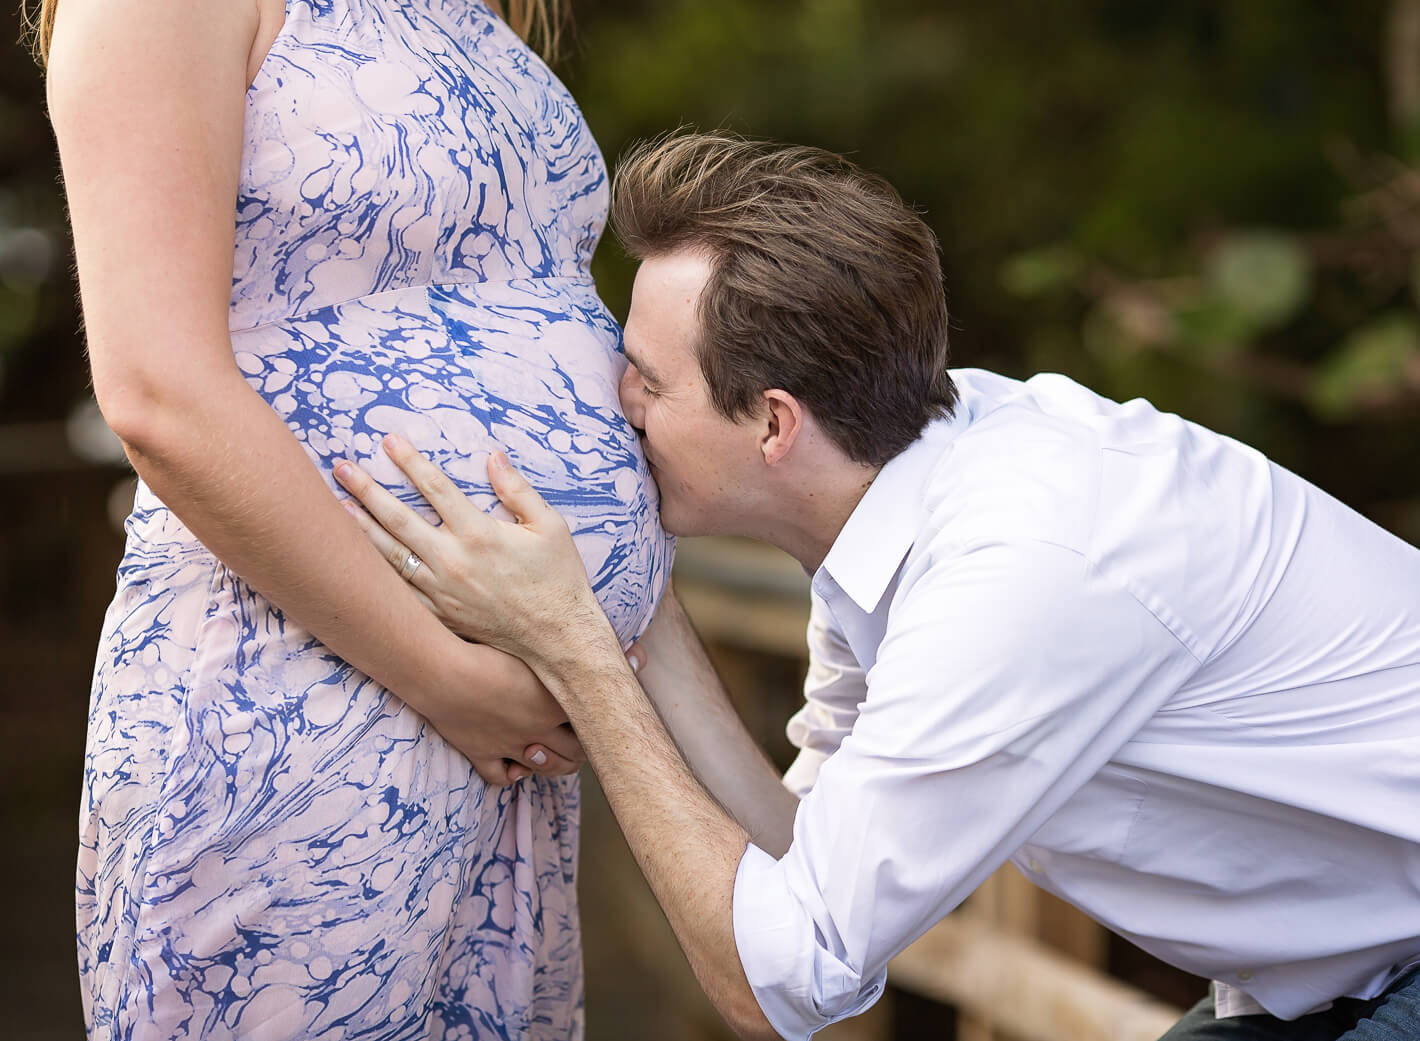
{"x":1393,"y":1016}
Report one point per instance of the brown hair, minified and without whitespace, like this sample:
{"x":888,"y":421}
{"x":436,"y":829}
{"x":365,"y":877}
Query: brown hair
{"x":539,"y":22}
{"x":823,"y":282}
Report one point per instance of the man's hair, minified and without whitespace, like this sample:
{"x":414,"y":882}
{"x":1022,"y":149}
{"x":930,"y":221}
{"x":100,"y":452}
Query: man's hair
{"x":823,"y":282}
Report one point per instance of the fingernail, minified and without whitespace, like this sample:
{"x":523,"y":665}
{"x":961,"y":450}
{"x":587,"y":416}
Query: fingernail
{"x":539,"y":757}
{"x":348,"y":506}
{"x":343,"y":470}
{"x":635,"y":662}
{"x":394,"y":441}
{"x":499,"y":460}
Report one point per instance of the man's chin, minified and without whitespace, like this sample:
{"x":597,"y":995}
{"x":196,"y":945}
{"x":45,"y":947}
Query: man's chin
{"x":671,"y":526}
{"x":674,"y":523}
{"x":676,"y":519}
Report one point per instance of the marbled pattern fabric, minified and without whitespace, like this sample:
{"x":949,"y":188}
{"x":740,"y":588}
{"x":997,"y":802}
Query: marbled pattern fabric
{"x":273,"y":846}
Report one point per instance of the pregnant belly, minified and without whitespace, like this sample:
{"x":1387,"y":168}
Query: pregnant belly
{"x":530,"y":367}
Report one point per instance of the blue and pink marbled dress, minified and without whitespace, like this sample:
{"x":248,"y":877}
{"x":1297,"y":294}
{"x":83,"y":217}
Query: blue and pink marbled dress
{"x":273,"y":846}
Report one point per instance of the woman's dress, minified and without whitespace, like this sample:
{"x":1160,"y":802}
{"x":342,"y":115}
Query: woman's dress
{"x":273,"y":846}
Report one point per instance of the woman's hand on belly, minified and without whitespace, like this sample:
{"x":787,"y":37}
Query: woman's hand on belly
{"x":502,"y":714}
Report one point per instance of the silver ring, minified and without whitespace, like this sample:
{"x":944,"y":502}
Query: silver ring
{"x":411,"y":565}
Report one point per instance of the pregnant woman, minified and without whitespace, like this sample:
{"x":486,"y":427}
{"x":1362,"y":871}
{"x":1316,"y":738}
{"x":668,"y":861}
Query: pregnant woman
{"x":292,"y":823}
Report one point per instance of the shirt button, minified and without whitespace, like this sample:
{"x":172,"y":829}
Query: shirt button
{"x":1245,"y":975}
{"x":1034,"y":864}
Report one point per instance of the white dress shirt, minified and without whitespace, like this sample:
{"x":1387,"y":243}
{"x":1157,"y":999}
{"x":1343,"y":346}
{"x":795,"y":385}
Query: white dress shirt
{"x":1172,"y":682}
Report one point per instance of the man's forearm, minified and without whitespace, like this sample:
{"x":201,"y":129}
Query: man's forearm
{"x":683,"y":686}
{"x":688,"y":847}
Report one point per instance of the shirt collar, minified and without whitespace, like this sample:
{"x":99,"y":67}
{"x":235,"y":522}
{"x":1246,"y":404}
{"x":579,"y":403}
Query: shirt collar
{"x":882,"y":527}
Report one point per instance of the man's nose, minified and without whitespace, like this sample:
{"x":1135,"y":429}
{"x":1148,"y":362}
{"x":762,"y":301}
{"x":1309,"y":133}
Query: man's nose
{"x":630,"y":393}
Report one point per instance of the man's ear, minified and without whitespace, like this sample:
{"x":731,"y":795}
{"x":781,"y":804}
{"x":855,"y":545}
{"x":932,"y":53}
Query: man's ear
{"x":784,"y":425}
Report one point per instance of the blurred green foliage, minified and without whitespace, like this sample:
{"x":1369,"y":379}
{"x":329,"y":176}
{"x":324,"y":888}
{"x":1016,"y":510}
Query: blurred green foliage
{"x":1201,"y":203}
{"x":1208,"y":204}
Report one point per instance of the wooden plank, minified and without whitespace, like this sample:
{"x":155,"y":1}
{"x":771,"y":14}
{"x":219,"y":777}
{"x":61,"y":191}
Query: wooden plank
{"x":765,"y":624}
{"x":744,"y":593}
{"x":741,"y":565}
{"x":1010,"y":904}
{"x":1067,"y":929}
{"x":1024,"y":989}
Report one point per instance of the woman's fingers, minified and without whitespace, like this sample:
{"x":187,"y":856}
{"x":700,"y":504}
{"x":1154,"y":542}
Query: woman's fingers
{"x":540,"y":759}
{"x":562,"y":742}
{"x":389,"y":547}
{"x":497,"y":772}
{"x":451,"y":504}
{"x":537,"y":759}
{"x":409,"y":531}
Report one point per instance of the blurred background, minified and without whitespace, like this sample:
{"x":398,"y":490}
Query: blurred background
{"x":1214,"y":205}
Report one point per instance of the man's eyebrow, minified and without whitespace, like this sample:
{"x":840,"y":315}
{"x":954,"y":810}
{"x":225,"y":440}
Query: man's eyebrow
{"x":634,"y":359}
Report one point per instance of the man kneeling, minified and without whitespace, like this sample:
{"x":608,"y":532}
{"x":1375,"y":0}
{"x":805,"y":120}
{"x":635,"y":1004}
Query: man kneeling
{"x":1174,"y":683}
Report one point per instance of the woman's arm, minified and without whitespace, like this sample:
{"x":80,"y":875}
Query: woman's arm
{"x":147,"y":97}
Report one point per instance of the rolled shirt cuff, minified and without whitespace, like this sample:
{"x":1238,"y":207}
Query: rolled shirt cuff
{"x":801,"y":987}
{"x":803,"y":771}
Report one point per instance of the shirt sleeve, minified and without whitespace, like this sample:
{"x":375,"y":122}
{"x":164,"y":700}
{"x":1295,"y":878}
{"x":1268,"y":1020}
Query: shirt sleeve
{"x":833,"y":690}
{"x":1009,"y":674}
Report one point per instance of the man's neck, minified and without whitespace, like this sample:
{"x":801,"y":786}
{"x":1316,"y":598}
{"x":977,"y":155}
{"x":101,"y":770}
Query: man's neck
{"x":809,"y":511}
